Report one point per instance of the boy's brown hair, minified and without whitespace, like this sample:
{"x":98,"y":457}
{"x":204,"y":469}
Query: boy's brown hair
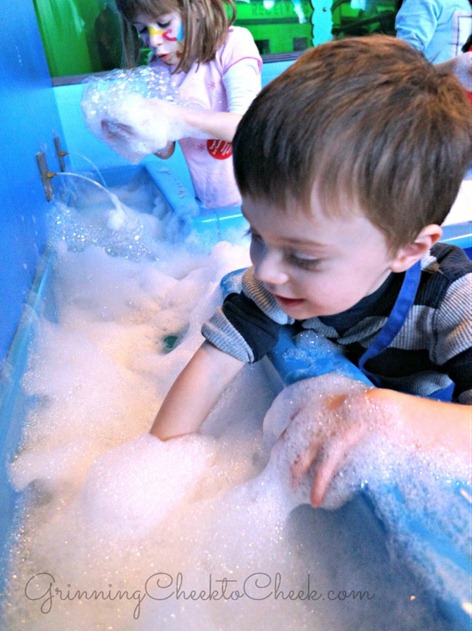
{"x":205,"y":23}
{"x":362,"y":122}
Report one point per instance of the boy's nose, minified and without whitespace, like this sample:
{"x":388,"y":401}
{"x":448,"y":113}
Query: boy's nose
{"x":268,"y":268}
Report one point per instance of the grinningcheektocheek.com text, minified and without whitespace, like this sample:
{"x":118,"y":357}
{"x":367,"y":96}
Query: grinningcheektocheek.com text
{"x":43,"y":589}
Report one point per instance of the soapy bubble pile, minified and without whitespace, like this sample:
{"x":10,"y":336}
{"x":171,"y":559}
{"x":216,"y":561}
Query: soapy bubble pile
{"x":106,"y":220}
{"x":104,"y":95}
{"x":132,"y":220}
{"x":204,"y":533}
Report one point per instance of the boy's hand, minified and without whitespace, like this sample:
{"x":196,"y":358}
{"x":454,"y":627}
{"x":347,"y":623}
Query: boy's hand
{"x":337,"y":425}
{"x":341,"y":424}
{"x":325,"y":419}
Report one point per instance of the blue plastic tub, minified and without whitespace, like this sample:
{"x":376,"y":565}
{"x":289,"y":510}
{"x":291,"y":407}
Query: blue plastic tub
{"x":284,"y":364}
{"x":295,"y":358}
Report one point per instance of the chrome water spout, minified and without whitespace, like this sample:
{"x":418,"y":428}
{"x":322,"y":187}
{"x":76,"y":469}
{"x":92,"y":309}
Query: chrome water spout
{"x":60,"y":153}
{"x":46,"y":175}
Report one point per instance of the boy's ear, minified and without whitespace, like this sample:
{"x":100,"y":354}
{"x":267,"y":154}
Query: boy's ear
{"x":407,"y":255}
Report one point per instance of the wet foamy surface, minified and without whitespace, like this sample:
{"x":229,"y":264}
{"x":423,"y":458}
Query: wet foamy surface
{"x":119,"y":531}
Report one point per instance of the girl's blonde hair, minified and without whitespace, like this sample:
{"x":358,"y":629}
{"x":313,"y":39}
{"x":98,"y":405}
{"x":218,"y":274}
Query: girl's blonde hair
{"x":205,"y":23}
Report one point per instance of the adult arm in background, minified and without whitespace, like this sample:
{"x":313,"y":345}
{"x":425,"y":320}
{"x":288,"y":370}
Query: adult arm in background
{"x":416,"y":22}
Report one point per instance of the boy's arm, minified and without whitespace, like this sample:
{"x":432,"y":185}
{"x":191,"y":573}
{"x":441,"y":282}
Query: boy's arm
{"x":417,"y":422}
{"x":194,"y":392}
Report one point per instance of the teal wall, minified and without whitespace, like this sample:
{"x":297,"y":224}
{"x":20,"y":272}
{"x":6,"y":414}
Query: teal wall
{"x":29,"y":121}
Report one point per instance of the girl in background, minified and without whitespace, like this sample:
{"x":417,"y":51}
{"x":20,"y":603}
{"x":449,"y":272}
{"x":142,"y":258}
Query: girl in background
{"x":216,"y":68}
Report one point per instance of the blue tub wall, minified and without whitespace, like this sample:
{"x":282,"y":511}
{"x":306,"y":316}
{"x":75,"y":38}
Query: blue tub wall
{"x":29,"y":121}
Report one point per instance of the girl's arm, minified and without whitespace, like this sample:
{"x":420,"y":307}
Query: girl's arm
{"x":242,"y":83}
{"x":208,"y":124}
{"x":151,"y":125}
{"x":196,"y":390}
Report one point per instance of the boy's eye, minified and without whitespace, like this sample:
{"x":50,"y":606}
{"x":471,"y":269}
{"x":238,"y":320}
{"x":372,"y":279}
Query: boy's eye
{"x":303,"y":263}
{"x":253,"y":235}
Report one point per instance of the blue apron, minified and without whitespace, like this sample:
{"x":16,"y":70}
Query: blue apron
{"x":394,"y":323}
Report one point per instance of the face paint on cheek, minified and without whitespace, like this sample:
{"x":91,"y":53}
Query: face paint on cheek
{"x":167,"y":35}
{"x":181,"y":34}
{"x":155,"y":31}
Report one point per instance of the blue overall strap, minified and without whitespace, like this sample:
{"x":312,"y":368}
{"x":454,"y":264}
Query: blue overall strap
{"x":394,"y":323}
{"x":395,"y":320}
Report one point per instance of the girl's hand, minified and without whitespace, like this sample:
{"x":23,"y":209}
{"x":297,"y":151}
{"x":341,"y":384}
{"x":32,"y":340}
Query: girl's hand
{"x":136,"y":126}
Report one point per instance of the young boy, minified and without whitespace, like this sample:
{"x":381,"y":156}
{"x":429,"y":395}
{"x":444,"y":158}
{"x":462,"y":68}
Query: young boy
{"x":347,"y":164}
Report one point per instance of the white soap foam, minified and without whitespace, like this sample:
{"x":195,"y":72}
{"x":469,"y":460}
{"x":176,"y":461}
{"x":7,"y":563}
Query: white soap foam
{"x":112,"y":98}
{"x":121,"y":531}
{"x":153,"y":477}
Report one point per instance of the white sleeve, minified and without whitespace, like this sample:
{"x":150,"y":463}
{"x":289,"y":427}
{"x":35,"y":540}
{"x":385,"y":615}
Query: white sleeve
{"x":242,"y":82}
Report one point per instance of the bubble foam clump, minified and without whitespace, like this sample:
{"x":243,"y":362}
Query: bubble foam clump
{"x":99,"y":372}
{"x":50,"y":468}
{"x":130,"y":490}
{"x":103,"y":98}
{"x":121,"y":233}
